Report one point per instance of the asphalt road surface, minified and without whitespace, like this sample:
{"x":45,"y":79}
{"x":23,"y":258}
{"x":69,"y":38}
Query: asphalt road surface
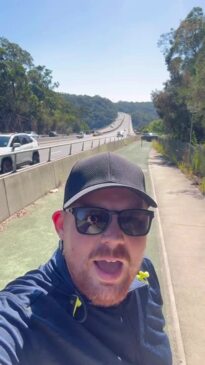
{"x":59,"y":147}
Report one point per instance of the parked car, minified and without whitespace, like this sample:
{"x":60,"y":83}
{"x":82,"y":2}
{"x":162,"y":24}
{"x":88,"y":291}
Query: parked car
{"x":149,"y":136}
{"x":16,"y":142}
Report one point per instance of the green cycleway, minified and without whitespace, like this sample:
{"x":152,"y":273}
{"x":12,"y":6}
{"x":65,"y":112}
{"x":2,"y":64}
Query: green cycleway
{"x":28,"y":239}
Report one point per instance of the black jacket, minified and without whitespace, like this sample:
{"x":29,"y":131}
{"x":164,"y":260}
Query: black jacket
{"x":40,"y":324}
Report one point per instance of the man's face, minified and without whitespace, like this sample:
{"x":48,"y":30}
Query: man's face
{"x":103,"y":266}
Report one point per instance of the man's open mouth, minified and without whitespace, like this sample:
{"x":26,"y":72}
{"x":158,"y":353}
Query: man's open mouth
{"x":108,"y":270}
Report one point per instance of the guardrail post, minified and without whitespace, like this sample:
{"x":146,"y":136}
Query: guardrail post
{"x":82,"y":146}
{"x":14,"y":164}
{"x":99,"y":142}
{"x":49,"y":154}
{"x":70,"y":152}
{"x":92,"y":144}
{"x":105,"y":140}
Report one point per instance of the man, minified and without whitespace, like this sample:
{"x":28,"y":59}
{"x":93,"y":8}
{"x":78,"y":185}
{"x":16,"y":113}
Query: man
{"x":97,"y":301}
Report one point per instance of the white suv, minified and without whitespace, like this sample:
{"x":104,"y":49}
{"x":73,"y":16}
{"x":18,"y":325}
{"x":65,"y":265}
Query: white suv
{"x":16,"y":142}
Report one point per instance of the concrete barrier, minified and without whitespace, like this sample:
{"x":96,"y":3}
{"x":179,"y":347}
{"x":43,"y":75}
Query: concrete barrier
{"x":4,"y":210}
{"x":22,"y":188}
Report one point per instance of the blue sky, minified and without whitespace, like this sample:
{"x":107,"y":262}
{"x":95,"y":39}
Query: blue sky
{"x":96,"y":47}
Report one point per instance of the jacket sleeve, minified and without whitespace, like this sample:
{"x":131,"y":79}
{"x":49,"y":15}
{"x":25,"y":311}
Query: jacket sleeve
{"x":12,"y":329}
{"x":155,"y":342}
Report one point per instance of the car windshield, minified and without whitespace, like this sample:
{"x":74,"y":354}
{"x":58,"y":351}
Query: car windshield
{"x":4,"y":140}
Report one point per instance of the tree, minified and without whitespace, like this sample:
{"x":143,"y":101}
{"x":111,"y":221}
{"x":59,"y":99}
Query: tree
{"x":181,"y":46}
{"x":156,"y":126}
{"x":27,"y":97}
{"x":183,"y":49}
{"x":13,"y":83}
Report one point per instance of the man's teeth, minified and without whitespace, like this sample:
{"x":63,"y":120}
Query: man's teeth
{"x":111,"y":260}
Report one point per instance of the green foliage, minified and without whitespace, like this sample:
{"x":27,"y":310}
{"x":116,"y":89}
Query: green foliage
{"x":159,"y":148}
{"x":181,"y":104}
{"x":142,"y":113}
{"x":27,"y":97}
{"x":185,"y":168}
{"x":202,"y":185}
{"x":196,"y":161}
{"x":191,"y":161}
{"x":28,"y":100}
{"x":95,"y":112}
{"x":156,"y":126}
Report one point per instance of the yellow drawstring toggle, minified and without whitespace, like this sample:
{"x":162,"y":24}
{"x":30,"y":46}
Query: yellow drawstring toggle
{"x":77,"y":305}
{"x":143,"y":276}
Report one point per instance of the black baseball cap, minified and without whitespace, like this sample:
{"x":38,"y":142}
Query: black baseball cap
{"x":104,"y":170}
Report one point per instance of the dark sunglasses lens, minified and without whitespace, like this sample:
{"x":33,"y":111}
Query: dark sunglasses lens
{"x":135,"y":222}
{"x":91,"y":220}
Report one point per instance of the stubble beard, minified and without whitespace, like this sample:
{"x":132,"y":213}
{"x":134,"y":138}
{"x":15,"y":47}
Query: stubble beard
{"x":100,"y":294}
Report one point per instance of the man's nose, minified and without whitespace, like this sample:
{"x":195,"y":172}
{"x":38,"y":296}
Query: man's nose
{"x":113,"y":232}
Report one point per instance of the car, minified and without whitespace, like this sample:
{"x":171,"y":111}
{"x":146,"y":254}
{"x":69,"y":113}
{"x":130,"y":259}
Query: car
{"x":96,"y":133}
{"x":80,"y":135}
{"x":120,"y":134}
{"x":53,"y":134}
{"x":149,"y":136}
{"x":17,"y":142}
{"x":32,"y":134}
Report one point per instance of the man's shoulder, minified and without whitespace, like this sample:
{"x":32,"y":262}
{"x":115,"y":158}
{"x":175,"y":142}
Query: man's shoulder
{"x":147,"y":264}
{"x":153,"y":282}
{"x":26,"y":289}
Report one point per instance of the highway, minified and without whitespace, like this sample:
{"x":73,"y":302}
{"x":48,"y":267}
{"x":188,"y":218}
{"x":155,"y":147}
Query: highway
{"x":53,"y":148}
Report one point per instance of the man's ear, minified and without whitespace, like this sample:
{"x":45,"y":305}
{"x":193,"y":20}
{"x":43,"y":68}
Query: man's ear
{"x":58,"y":219}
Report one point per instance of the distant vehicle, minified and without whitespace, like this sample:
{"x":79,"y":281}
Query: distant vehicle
{"x":16,"y":142}
{"x":53,"y":134}
{"x":80,"y":135}
{"x":120,"y":134}
{"x":96,"y":133}
{"x":149,"y":136}
{"x":32,"y":134}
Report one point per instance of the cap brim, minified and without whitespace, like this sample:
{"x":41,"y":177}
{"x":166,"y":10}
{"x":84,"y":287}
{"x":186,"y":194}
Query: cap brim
{"x":87,"y":190}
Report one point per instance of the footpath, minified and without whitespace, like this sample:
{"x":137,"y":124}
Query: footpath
{"x":181,"y":213}
{"x":176,"y":245}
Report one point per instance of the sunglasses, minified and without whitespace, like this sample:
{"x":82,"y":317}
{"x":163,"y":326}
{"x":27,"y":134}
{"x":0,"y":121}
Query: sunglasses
{"x":93,"y":220}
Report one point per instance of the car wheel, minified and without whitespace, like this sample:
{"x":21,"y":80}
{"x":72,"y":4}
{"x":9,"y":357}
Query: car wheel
{"x":6,"y":166}
{"x":35,"y":158}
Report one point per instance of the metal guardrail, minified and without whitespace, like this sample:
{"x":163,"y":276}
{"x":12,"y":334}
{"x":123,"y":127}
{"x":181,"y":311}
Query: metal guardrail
{"x":84,"y":142}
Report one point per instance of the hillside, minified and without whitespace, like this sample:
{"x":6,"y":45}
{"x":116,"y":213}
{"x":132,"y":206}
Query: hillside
{"x":142,"y":113}
{"x":98,"y":112}
{"x":28,"y":100}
